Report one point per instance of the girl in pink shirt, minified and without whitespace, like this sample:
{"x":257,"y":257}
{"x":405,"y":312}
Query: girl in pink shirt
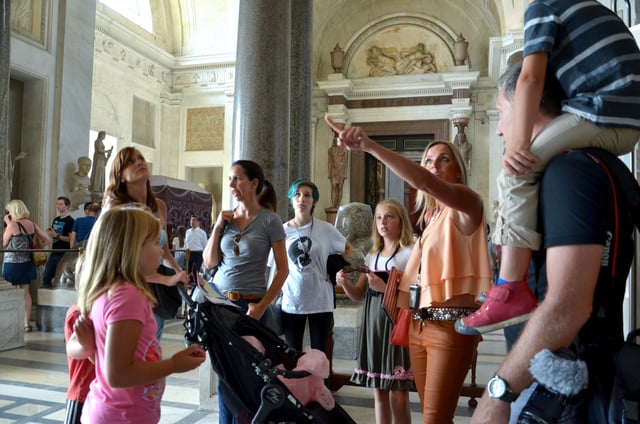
{"x":114,"y":297}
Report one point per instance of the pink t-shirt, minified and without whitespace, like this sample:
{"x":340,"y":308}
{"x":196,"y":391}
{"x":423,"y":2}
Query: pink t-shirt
{"x":141,"y":404}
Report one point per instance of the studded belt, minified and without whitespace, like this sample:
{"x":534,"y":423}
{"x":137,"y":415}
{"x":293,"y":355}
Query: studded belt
{"x":442,"y":314}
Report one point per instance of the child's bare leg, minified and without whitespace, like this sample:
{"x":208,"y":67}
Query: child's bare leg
{"x":514,"y":263}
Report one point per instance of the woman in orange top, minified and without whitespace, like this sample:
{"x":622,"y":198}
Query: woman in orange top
{"x":450,"y":265}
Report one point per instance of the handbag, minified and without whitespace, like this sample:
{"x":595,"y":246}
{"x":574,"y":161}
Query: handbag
{"x":38,"y":258}
{"x":390,"y":299}
{"x":400,"y":332}
{"x":168,"y":297}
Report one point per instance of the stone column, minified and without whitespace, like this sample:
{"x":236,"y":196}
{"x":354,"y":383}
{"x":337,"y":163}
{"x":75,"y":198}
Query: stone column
{"x":262,"y":90}
{"x":301,"y":51}
{"x":6,"y":160}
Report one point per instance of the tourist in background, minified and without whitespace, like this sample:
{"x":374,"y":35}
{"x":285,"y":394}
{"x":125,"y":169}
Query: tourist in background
{"x":178,"y":246}
{"x":17,"y":267}
{"x":195,"y":240}
{"x":60,"y":233}
{"x":83,"y":225}
{"x":81,"y":373}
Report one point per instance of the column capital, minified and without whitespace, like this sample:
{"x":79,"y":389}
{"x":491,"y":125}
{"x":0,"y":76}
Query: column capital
{"x":171,"y":98}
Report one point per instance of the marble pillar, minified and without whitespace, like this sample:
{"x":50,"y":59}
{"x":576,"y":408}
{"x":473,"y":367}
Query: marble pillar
{"x":6,"y":159}
{"x":262,"y":91}
{"x":301,"y":60}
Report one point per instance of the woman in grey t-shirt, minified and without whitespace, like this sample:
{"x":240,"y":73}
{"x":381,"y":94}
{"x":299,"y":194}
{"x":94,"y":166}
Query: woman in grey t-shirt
{"x":239,"y":246}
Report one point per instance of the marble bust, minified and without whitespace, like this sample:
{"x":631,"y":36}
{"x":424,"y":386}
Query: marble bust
{"x":82,"y":181}
{"x":81,"y":177}
{"x":354,"y":221}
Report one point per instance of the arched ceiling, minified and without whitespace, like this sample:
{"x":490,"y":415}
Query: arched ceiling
{"x":188,"y":28}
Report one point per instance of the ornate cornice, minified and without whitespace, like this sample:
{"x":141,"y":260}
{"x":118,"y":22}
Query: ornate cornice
{"x":398,"y":86}
{"x":122,"y":45}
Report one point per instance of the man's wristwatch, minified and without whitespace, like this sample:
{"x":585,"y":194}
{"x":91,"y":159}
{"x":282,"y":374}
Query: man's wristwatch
{"x":498,"y":389}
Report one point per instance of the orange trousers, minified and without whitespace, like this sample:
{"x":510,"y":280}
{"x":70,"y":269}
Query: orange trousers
{"x":441,"y":359}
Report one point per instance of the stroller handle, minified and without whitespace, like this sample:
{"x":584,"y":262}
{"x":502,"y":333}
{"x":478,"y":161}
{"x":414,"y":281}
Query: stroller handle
{"x":182,"y":290}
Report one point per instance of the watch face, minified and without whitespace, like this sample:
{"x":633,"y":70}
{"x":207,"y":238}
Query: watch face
{"x":496,"y":387}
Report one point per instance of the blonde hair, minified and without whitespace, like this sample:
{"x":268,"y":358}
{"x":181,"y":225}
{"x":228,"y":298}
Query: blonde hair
{"x":426,"y":202}
{"x":113,"y":252}
{"x":406,"y":237}
{"x":18,"y":209}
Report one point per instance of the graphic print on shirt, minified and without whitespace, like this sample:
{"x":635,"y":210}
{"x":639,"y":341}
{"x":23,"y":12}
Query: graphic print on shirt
{"x":299,"y":252}
{"x":153,"y":391}
{"x":58,"y":227}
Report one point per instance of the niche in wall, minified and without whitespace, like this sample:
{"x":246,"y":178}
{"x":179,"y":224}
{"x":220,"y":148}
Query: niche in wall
{"x":210,"y":179}
{"x":143,"y":122}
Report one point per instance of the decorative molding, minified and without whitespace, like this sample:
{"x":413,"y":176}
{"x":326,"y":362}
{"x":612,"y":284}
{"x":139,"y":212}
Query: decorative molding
{"x":120,"y":44}
{"x":218,"y":75}
{"x":399,"y":86}
{"x":501,"y":49}
{"x":171,"y":99}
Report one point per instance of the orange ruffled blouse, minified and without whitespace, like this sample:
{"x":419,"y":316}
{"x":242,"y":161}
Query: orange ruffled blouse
{"x":452,"y":263}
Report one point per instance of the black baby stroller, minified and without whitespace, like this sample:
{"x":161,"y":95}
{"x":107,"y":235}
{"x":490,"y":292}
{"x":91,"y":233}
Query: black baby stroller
{"x":248,"y":378}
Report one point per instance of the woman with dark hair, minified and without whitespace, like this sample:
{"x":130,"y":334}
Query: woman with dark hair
{"x":308,"y":294}
{"x":129,"y":182}
{"x":239,"y":246}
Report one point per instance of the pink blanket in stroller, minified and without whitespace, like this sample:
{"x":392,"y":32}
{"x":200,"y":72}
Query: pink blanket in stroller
{"x":310,"y":388}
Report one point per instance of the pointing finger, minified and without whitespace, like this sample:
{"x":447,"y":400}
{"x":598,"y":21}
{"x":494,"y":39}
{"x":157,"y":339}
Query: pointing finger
{"x":336,"y":127}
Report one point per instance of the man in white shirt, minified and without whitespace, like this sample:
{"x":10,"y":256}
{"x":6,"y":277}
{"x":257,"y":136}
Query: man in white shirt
{"x":195,"y":240}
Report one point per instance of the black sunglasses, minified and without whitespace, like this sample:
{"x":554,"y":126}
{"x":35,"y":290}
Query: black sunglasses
{"x":236,"y":244}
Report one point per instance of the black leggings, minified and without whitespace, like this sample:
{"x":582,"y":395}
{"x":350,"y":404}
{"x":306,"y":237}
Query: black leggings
{"x":320,"y":328}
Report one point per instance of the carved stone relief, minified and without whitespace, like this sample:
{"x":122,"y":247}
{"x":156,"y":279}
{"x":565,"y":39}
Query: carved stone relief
{"x":384,"y":61}
{"x":205,"y":128}
{"x":28,"y":19}
{"x":400,"y":46}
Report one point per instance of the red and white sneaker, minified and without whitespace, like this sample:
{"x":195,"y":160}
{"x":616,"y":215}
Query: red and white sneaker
{"x":505,"y":305}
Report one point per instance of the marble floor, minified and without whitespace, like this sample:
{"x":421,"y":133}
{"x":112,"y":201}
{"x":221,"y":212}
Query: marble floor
{"x":33,"y":382}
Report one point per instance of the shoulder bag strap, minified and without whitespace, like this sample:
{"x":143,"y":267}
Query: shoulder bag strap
{"x":24,"y":231}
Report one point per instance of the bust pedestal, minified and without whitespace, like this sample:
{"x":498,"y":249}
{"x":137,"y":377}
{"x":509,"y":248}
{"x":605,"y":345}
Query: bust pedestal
{"x":331,"y":215}
{"x":11,"y":316}
{"x":79,"y":198}
{"x":52,"y":308}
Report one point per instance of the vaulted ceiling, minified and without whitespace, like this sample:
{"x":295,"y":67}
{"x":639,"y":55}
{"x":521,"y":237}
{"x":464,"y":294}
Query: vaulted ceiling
{"x":186,"y":28}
